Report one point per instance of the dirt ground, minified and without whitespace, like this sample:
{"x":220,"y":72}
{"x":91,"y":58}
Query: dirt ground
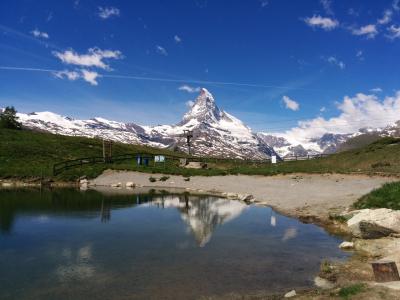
{"x":299,"y":194}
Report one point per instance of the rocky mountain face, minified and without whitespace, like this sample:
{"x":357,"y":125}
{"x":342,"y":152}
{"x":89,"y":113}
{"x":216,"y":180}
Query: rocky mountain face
{"x":215,"y":132}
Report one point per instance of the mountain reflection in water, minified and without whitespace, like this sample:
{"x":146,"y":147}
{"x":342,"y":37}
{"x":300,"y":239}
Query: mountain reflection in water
{"x":68,"y":244}
{"x":201,"y":214}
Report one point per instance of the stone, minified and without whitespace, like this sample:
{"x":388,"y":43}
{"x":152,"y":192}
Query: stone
{"x":129,"y":184}
{"x":115,"y":185}
{"x":323,"y":283}
{"x":290,"y":294}
{"x":346,"y":245}
{"x":246,"y":198}
{"x":374,"y":223}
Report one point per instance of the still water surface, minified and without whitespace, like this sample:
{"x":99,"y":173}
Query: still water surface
{"x":67,"y":244}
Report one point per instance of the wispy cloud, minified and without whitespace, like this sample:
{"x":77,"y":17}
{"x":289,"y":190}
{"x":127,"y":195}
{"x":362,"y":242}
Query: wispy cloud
{"x":39,"y":34}
{"x":327,"y":5}
{"x":177,"y":39}
{"x":386,"y":18}
{"x":290,"y":103}
{"x":317,"y":21}
{"x":86,"y":75}
{"x":189,"y":103}
{"x":396,"y":5}
{"x":394,"y":32}
{"x":161,"y":50}
{"x":376,"y":90}
{"x":94,"y":58}
{"x":108,"y":12}
{"x":189,"y":89}
{"x":264,"y":3}
{"x":370,"y":31}
{"x":360,"y":55}
{"x":334,"y":61}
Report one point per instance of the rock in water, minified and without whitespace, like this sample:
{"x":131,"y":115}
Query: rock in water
{"x":346,"y":245}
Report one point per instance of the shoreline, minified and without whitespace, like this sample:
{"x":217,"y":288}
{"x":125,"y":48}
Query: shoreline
{"x":303,"y":201}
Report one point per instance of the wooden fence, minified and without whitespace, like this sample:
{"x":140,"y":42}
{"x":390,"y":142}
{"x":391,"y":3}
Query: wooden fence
{"x":68,"y":164}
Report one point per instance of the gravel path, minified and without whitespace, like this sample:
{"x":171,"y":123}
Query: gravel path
{"x":295,"y":194}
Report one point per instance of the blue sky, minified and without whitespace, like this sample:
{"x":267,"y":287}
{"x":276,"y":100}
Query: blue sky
{"x":270,"y":63}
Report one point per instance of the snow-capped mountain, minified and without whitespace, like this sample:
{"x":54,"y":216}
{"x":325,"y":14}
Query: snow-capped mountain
{"x":329,"y":142}
{"x":216,"y":133}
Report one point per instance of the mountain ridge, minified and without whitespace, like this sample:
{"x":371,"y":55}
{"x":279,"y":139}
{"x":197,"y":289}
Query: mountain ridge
{"x":216,"y":133}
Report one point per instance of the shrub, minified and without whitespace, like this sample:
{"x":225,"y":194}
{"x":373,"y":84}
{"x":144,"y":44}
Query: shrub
{"x":152,"y":179}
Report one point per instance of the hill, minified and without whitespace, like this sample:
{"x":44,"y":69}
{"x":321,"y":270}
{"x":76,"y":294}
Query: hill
{"x":30,"y":154}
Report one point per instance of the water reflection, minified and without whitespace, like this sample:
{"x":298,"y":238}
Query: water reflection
{"x":67,"y":244}
{"x":203,"y":215}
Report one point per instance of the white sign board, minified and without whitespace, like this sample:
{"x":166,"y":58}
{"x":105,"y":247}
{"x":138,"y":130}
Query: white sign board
{"x":273,"y":159}
{"x":159,"y":158}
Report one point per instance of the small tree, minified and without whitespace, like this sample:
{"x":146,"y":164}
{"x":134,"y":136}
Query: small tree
{"x":9,"y":119}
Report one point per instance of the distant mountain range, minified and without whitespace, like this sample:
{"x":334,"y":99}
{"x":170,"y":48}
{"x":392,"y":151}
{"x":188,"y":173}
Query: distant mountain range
{"x":216,"y":133}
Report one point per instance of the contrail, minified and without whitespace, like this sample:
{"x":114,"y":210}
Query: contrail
{"x":166,"y":79}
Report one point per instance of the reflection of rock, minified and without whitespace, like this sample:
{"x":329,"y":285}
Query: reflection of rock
{"x":78,"y":267}
{"x":203,"y":215}
{"x":290,"y":233}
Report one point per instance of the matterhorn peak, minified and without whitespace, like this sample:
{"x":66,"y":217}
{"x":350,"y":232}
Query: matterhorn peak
{"x":204,"y":109}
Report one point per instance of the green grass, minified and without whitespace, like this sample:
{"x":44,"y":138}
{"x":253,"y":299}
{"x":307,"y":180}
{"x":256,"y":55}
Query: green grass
{"x":28,"y":155}
{"x":388,"y":196}
{"x":351,"y":290}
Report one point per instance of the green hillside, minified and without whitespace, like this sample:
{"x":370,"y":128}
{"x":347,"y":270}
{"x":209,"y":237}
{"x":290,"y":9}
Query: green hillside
{"x":28,"y":155}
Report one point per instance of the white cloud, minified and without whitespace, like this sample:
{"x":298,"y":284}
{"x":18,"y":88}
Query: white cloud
{"x":290,"y":103}
{"x":264,"y":3}
{"x":40,"y":34}
{"x":396,"y":5}
{"x":70,"y":75}
{"x":108,"y":12}
{"x":189,"y":89}
{"x":334,"y":61}
{"x":386,"y":18}
{"x":189,"y":103}
{"x":161,"y":50}
{"x":177,"y":39}
{"x":327,"y":5}
{"x":86,"y":75}
{"x":360,"y":55}
{"x":356,"y":112}
{"x":94,"y":57}
{"x":368,"y":30}
{"x":322,"y":109}
{"x":324,"y":23}
{"x":90,"y":76}
{"x":376,"y":90}
{"x":394,"y":32}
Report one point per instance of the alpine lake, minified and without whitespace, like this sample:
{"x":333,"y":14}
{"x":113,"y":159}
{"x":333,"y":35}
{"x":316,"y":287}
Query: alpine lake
{"x":71,"y":244}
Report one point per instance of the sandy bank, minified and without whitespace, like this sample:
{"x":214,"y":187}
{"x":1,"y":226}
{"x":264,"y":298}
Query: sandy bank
{"x":299,"y":194}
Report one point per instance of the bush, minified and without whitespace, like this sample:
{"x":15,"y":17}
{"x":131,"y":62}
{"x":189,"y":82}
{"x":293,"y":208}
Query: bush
{"x":164,"y":178}
{"x":9,"y":119}
{"x":152,"y":179}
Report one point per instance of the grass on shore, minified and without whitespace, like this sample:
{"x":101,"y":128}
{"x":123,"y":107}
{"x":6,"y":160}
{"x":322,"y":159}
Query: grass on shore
{"x":28,"y":155}
{"x":388,"y":196}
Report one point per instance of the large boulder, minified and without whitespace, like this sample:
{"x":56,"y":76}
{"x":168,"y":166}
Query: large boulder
{"x":374,"y":223}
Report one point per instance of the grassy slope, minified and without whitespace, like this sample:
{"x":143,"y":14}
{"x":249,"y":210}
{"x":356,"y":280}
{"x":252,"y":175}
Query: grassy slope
{"x":25,"y":154}
{"x":388,"y":196}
